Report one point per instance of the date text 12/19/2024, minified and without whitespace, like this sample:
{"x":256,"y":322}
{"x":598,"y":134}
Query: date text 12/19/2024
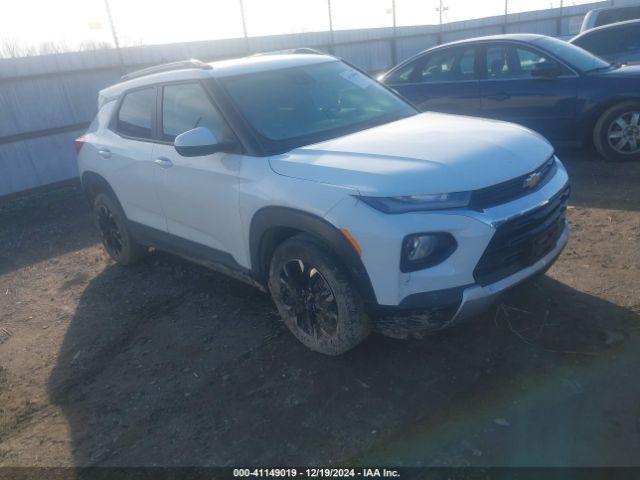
{"x":316,"y":472}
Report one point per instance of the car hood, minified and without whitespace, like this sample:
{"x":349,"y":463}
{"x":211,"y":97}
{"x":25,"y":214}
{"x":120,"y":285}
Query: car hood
{"x":426,"y":153}
{"x":624,"y":71}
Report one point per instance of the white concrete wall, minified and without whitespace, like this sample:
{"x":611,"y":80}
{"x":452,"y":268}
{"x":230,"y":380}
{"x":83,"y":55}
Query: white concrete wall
{"x":46,"y":101}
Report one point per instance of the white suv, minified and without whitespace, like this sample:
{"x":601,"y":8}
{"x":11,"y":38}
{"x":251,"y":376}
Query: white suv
{"x":307,"y":178}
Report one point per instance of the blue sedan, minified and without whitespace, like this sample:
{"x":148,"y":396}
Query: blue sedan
{"x":562,"y":91}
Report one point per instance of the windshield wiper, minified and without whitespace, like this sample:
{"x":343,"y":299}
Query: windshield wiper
{"x":599,"y":69}
{"x":607,"y":67}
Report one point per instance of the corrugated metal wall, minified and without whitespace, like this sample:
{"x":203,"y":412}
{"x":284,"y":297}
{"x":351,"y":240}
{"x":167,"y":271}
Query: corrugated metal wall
{"x":46,"y":101}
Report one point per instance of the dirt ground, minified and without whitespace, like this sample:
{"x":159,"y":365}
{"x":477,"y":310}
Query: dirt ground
{"x":167,"y":363}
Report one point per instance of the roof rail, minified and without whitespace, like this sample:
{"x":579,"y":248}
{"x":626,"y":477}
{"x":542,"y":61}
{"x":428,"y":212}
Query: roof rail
{"x":166,"y":67}
{"x":300,"y":50}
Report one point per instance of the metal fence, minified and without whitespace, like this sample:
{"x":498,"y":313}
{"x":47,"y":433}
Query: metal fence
{"x":46,"y":101}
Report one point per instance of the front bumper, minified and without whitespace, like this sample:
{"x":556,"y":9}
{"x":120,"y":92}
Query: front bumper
{"x":476,"y":299}
{"x":441,"y":309}
{"x":478,"y":270}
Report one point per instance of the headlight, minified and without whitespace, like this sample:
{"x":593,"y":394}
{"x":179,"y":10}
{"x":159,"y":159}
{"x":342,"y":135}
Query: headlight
{"x":418,"y":203}
{"x":422,"y":250}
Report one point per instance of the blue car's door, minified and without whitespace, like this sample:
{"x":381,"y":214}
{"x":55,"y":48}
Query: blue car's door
{"x":510,"y":92}
{"x":441,"y":81}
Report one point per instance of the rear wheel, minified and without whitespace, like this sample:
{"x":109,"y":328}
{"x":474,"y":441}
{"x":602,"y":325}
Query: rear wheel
{"x":116,"y":238}
{"x":315,"y":297}
{"x":616,"y":135}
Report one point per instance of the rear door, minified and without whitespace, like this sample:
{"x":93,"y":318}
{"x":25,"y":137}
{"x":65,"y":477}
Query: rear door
{"x":441,"y":81}
{"x":509,"y":91}
{"x":199,"y":194}
{"x":128,"y":149}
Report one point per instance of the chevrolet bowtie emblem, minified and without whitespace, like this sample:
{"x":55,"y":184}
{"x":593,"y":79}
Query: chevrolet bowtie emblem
{"x":532,"y":180}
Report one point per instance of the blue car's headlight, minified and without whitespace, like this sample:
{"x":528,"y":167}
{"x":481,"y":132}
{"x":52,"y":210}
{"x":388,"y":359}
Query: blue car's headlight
{"x":418,"y":203}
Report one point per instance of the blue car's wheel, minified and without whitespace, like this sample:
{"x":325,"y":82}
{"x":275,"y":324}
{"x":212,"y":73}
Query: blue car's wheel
{"x":617,"y":133}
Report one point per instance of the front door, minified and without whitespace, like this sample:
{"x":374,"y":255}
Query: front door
{"x":510,"y":92}
{"x":199,"y":194}
{"x":442,"y":81}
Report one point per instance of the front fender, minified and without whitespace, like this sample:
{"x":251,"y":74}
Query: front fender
{"x":270,"y":225}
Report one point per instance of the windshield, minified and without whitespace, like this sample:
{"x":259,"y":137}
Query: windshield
{"x":291,"y":107}
{"x":575,"y":56}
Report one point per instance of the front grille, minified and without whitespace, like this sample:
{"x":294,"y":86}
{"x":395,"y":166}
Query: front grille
{"x":512,"y":189}
{"x":522,"y":241}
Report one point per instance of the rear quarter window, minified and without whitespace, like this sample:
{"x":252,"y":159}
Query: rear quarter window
{"x":135,"y":116}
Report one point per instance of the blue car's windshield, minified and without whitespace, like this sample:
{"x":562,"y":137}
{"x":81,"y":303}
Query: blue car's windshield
{"x":297,"y":106}
{"x":575,"y":56}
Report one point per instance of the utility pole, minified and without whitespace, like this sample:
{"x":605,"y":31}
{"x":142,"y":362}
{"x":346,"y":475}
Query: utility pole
{"x":244,"y":27}
{"x":506,"y":13}
{"x":331,"y":47}
{"x":393,"y":13}
{"x":115,"y":36}
{"x":440,"y":9}
{"x":394,"y":42}
{"x":559,"y":29}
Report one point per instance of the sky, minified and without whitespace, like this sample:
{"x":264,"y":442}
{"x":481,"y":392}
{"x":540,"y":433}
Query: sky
{"x":144,"y":22}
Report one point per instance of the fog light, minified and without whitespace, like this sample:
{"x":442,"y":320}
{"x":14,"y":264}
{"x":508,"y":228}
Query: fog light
{"x":423,"y":250}
{"x":421,"y":247}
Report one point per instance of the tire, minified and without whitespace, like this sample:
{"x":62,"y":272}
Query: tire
{"x":316,"y":297}
{"x":609,"y":132}
{"x":116,"y":239}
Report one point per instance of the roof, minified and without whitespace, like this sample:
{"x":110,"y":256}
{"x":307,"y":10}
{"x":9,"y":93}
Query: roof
{"x":612,"y":7}
{"x":609,"y":26}
{"x":257,"y":63}
{"x":516,"y":37}
{"x":222,"y":68}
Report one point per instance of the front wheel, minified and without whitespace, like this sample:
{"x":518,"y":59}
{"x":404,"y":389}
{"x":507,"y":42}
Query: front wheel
{"x":315,"y":297}
{"x":616,"y":135}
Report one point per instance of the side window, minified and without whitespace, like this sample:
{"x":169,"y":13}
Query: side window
{"x":136,"y":113}
{"x":497,"y":63}
{"x":527,"y":59}
{"x":403,"y":74}
{"x":468,"y":63}
{"x":507,"y":62}
{"x":451,"y":65}
{"x":437,"y":67}
{"x":187,"y":106}
{"x":630,"y":38}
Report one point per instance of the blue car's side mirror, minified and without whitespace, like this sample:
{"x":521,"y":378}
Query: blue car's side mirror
{"x":546,"y":70}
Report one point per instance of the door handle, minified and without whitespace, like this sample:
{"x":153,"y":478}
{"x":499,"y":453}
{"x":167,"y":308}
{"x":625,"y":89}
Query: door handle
{"x":499,"y":96}
{"x":104,"y":152}
{"x":164,"y":162}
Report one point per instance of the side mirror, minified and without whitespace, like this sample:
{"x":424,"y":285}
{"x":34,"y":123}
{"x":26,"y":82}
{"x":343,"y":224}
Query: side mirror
{"x":199,"y":141}
{"x":546,"y":70}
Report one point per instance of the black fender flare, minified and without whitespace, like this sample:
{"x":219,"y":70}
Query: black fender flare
{"x":92,"y":183}
{"x":270,"y":225}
